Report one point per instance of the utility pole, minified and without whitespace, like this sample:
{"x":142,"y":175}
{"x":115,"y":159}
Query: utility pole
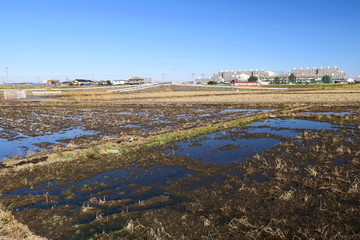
{"x":192,"y":77}
{"x":7,"y":74}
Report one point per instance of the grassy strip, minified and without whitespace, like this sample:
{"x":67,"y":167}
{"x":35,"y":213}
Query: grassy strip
{"x":163,"y":139}
{"x":194,"y":132}
{"x":153,"y":141}
{"x":12,"y":229}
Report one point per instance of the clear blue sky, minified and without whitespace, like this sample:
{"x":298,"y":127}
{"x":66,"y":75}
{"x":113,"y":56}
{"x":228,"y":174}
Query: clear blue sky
{"x":115,"y":39}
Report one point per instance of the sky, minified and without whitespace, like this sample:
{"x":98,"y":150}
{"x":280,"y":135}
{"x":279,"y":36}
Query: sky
{"x":173,"y":40}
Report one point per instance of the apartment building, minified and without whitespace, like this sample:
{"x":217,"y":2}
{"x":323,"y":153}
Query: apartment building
{"x":303,"y":75}
{"x":335,"y":72}
{"x":240,"y":75}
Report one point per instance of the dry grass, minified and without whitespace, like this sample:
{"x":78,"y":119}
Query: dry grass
{"x":219,"y":96}
{"x":12,"y":229}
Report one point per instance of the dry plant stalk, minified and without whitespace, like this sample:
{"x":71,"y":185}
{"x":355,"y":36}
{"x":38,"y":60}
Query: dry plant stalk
{"x":243,"y":95}
{"x":10,"y":229}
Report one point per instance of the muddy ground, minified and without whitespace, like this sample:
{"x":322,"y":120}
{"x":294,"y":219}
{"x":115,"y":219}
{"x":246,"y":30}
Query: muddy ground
{"x":87,"y":124}
{"x":305,"y":187}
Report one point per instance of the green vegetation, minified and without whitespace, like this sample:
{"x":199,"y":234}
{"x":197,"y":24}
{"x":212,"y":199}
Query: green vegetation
{"x":188,"y":134}
{"x":277,"y":80}
{"x":212,"y":83}
{"x":252,"y":79}
{"x":292,"y":78}
{"x":326,"y":79}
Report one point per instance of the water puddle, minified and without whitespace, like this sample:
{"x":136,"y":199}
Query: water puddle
{"x":212,"y":150}
{"x":294,"y":124}
{"x":132,"y":126}
{"x":125,"y":189}
{"x":331,"y":113}
{"x":243,"y":110}
{"x":15,"y":144}
{"x":22,"y":144}
{"x":339,"y":162}
{"x":117,"y":185}
{"x":236,"y":145}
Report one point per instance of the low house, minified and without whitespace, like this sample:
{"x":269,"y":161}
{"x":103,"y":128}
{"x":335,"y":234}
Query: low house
{"x":136,"y":81}
{"x":81,"y":82}
{"x":102,"y":82}
{"x":51,"y":82}
{"x":284,"y":79}
{"x":132,"y":81}
{"x":65,"y":84}
{"x":119,"y":82}
{"x":306,"y":79}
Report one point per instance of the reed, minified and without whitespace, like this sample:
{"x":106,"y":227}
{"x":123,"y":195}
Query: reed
{"x":11,"y":229}
{"x":290,"y":95}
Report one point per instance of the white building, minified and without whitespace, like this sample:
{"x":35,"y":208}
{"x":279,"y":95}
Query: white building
{"x":335,"y":72}
{"x":119,"y":82}
{"x":240,"y":75}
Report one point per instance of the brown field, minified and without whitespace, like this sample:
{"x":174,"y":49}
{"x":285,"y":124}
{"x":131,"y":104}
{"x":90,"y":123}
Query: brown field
{"x":306,"y":187}
{"x":232,"y":95}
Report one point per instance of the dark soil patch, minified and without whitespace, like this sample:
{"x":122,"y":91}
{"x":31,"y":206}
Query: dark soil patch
{"x":33,"y":161}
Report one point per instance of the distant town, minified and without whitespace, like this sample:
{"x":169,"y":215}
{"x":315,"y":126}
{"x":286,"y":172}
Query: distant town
{"x":264,"y":77}
{"x":327,"y":75}
{"x":86,"y":82}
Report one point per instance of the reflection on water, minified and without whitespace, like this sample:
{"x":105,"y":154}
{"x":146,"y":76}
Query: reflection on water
{"x":222,"y":148}
{"x":20,"y":146}
{"x":212,"y":148}
{"x":331,"y":113}
{"x":118,"y":184}
{"x":293,"y":124}
{"x":14,"y":143}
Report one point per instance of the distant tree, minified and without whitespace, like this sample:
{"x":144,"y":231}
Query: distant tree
{"x":292,"y":78}
{"x":108,"y":82}
{"x":277,"y":80}
{"x":326,"y":79}
{"x":212,"y":82}
{"x":252,"y":79}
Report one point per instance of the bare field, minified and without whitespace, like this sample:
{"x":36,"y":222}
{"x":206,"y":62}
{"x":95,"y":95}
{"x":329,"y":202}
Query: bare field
{"x":185,"y":170}
{"x":239,"y":95}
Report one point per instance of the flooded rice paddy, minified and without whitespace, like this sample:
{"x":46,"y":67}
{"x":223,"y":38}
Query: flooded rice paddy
{"x":31,"y":130}
{"x":236,"y":145}
{"x":292,"y":175}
